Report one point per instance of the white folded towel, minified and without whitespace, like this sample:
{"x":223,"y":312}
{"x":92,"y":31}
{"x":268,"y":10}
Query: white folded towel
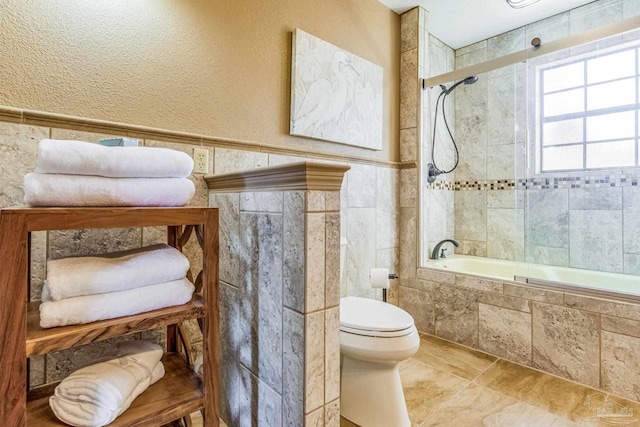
{"x":86,"y":158}
{"x":95,"y":395}
{"x":75,"y":190}
{"x":90,"y":308}
{"x":115,"y":271}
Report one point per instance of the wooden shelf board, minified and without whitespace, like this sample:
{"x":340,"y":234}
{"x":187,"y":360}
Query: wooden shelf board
{"x":177,"y":394}
{"x":41,"y":341}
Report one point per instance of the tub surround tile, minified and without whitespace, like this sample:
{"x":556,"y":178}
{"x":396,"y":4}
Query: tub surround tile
{"x":602,"y":306}
{"x":456,"y":314}
{"x":509,"y":302}
{"x":594,"y":15}
{"x":474,"y":57}
{"x":631,"y":219}
{"x":408,"y":145}
{"x":609,"y":198}
{"x":314,"y":371}
{"x":479,"y":284}
{"x":566,"y":342}
{"x":548,"y":218}
{"x":420,"y":305}
{"x":436,"y":276}
{"x":505,"y":233}
{"x":501,"y":125}
{"x":408,"y":188}
{"x":621,"y":365}
{"x":471,"y":129}
{"x":630,"y":8}
{"x":549,"y":29}
{"x":408,"y":88}
{"x":505,"y":333}
{"x":294,"y":251}
{"x":631,"y":264}
{"x":315,"y":262}
{"x":506,"y":43}
{"x":505,"y":199}
{"x":558,"y":257}
{"x":472,"y":247}
{"x":471,"y":215}
{"x":620,"y":326}
{"x":534,"y":294}
{"x":409,"y":30}
{"x":596,"y":229}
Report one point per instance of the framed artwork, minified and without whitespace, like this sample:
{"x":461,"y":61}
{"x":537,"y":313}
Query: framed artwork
{"x":335,"y":95}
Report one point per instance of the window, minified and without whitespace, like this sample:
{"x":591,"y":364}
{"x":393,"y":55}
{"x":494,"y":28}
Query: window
{"x":588,"y":111}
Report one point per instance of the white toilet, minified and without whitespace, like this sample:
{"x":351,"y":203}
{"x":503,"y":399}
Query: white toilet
{"x":374,"y":338}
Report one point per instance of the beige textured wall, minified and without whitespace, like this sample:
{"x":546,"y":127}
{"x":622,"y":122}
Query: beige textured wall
{"x":218,"y":67}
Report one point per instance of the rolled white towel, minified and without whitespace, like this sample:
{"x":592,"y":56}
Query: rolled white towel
{"x":115,"y":271}
{"x":90,"y":308}
{"x":86,"y":158}
{"x":75,"y":190}
{"x":95,"y":395}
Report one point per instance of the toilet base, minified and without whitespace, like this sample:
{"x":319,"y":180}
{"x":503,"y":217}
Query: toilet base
{"x":371,"y":394}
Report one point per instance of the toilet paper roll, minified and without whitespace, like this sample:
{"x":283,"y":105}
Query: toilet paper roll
{"x":379,"y":278}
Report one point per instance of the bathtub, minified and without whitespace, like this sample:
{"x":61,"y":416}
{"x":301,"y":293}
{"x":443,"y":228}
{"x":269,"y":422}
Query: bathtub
{"x":594,"y":283}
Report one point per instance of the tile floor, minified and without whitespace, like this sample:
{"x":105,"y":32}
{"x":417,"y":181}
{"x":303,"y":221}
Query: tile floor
{"x":446,"y":384}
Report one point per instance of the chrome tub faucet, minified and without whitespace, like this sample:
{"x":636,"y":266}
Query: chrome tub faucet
{"x":436,"y":254}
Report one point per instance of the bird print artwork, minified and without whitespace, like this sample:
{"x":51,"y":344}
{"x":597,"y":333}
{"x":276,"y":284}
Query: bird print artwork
{"x":335,"y":95}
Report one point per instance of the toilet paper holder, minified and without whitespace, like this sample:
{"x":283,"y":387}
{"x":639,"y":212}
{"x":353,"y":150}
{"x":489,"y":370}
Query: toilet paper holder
{"x":392,"y":276}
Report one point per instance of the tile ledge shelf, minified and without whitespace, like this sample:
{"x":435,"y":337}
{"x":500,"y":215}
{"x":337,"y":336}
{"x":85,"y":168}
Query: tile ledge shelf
{"x":63,"y":121}
{"x":292,"y":176}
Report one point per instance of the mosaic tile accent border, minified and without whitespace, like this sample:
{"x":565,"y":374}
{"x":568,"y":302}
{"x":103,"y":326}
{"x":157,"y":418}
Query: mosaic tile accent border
{"x":541,"y":183}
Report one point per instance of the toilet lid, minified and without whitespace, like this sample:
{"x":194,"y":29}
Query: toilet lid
{"x":365,"y":314}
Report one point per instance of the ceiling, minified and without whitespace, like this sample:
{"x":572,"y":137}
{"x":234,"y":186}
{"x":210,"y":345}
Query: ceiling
{"x":459,"y":23}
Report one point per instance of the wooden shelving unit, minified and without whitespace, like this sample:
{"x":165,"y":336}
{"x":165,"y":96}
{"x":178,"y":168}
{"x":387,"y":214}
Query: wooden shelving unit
{"x":180,"y":392}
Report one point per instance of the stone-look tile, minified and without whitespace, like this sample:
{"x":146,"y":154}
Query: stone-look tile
{"x":553,"y":28}
{"x":620,"y":326}
{"x":472,"y":247}
{"x":409,"y":30}
{"x":261,"y":304}
{"x":159,"y":336}
{"x":36,"y":371}
{"x":332,"y":354}
{"x":509,"y":302}
{"x":471,"y":215}
{"x":80,"y":135}
{"x":332,"y":260}
{"x":332,"y":201}
{"x":314,"y":373}
{"x":229,"y":230}
{"x":631,"y":264}
{"x":315,"y":201}
{"x":155,"y":235}
{"x":505,"y":199}
{"x":19,"y":148}
{"x":228,"y":160}
{"x":270,"y":201}
{"x":332,"y":414}
{"x":408,"y":188}
{"x":294,"y":250}
{"x":293,"y":368}
{"x":439,"y":215}
{"x":441,"y":57}
{"x":361,"y":186}
{"x":408,"y":145}
{"x":500,"y":161}
{"x":472,"y":58}
{"x":230,"y":342}
{"x":437,"y":276}
{"x":546,"y":255}
{"x":315,"y":418}
{"x":596,"y":229}
{"x":605,"y":198}
{"x":315,"y":262}
{"x":594,"y":15}
{"x":420,"y":305}
{"x":64,"y":243}
{"x":506,"y":43}
{"x":408,"y":249}
{"x":278,"y":159}
{"x":501,"y":123}
{"x":621,"y":365}
{"x":505,"y":333}
{"x":555,"y":395}
{"x":597,"y":305}
{"x":631,"y":219}
{"x":408,"y":88}
{"x":420,"y":380}
{"x":566,"y":342}
{"x":630,"y":8}
{"x":479,"y":284}
{"x":361,"y":250}
{"x":38,"y":264}
{"x":456,"y":314}
{"x":471,"y":137}
{"x":505,"y":233}
{"x":548,"y":218}
{"x":260,"y":405}
{"x":387,"y":208}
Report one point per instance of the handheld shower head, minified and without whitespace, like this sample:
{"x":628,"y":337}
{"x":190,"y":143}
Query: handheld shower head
{"x":468,"y":81}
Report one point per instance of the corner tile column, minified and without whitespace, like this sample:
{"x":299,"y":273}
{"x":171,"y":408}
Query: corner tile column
{"x":280,"y":294}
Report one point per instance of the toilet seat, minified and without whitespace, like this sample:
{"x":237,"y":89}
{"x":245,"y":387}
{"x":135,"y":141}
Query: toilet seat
{"x":368,"y":317}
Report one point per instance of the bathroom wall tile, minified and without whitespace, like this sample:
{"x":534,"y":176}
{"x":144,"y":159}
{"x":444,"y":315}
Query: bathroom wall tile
{"x":361,"y":252}
{"x":315,"y":418}
{"x":261,"y":305}
{"x":361,"y":187}
{"x":456,"y":314}
{"x":452,"y":358}
{"x":439,"y":215}
{"x":603,"y":306}
{"x":500,"y":162}
{"x":408,"y":188}
{"x":472,"y":247}
{"x":506,"y":43}
{"x":605,"y":198}
{"x":293,"y":368}
{"x":481,"y":45}
{"x":277,"y":159}
{"x":315,"y":201}
{"x":472,"y":58}
{"x":408,"y":250}
{"x":630,"y":8}
{"x":314,"y":361}
{"x":332,"y":414}
{"x":504,"y":301}
{"x":228,"y":160}
{"x":230,"y":342}
{"x":620,"y":326}
{"x":269,"y":201}
{"x":408,"y":88}
{"x":631,"y":264}
{"x":155,"y":235}
{"x":596,"y":229}
{"x":229,"y":230}
{"x":505,"y":233}
{"x":594,"y":15}
{"x":548,"y":218}
{"x":420,"y":284}
{"x":436,"y":276}
{"x":38,"y":266}
{"x":261,"y":406}
{"x":408,"y":145}
{"x":471,"y":215}
{"x":294,"y":250}
{"x":545,"y":255}
{"x":332,"y":260}
{"x":332,"y":354}
{"x":332,"y":201}
{"x":479,"y":284}
{"x":631,"y":219}
{"x":64,"y":243}
{"x":553,"y":28}
{"x":534,"y":294}
{"x":505,"y":333}
{"x":36,"y":371}
{"x":80,"y":135}
{"x":566,"y":342}
{"x":471,"y":137}
{"x":19,"y":148}
{"x":387,"y":208}
{"x":409,"y":30}
{"x":505,"y":199}
{"x":315,"y":262}
{"x":420,"y":305}
{"x":501,"y":113}
{"x":621,"y":365}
